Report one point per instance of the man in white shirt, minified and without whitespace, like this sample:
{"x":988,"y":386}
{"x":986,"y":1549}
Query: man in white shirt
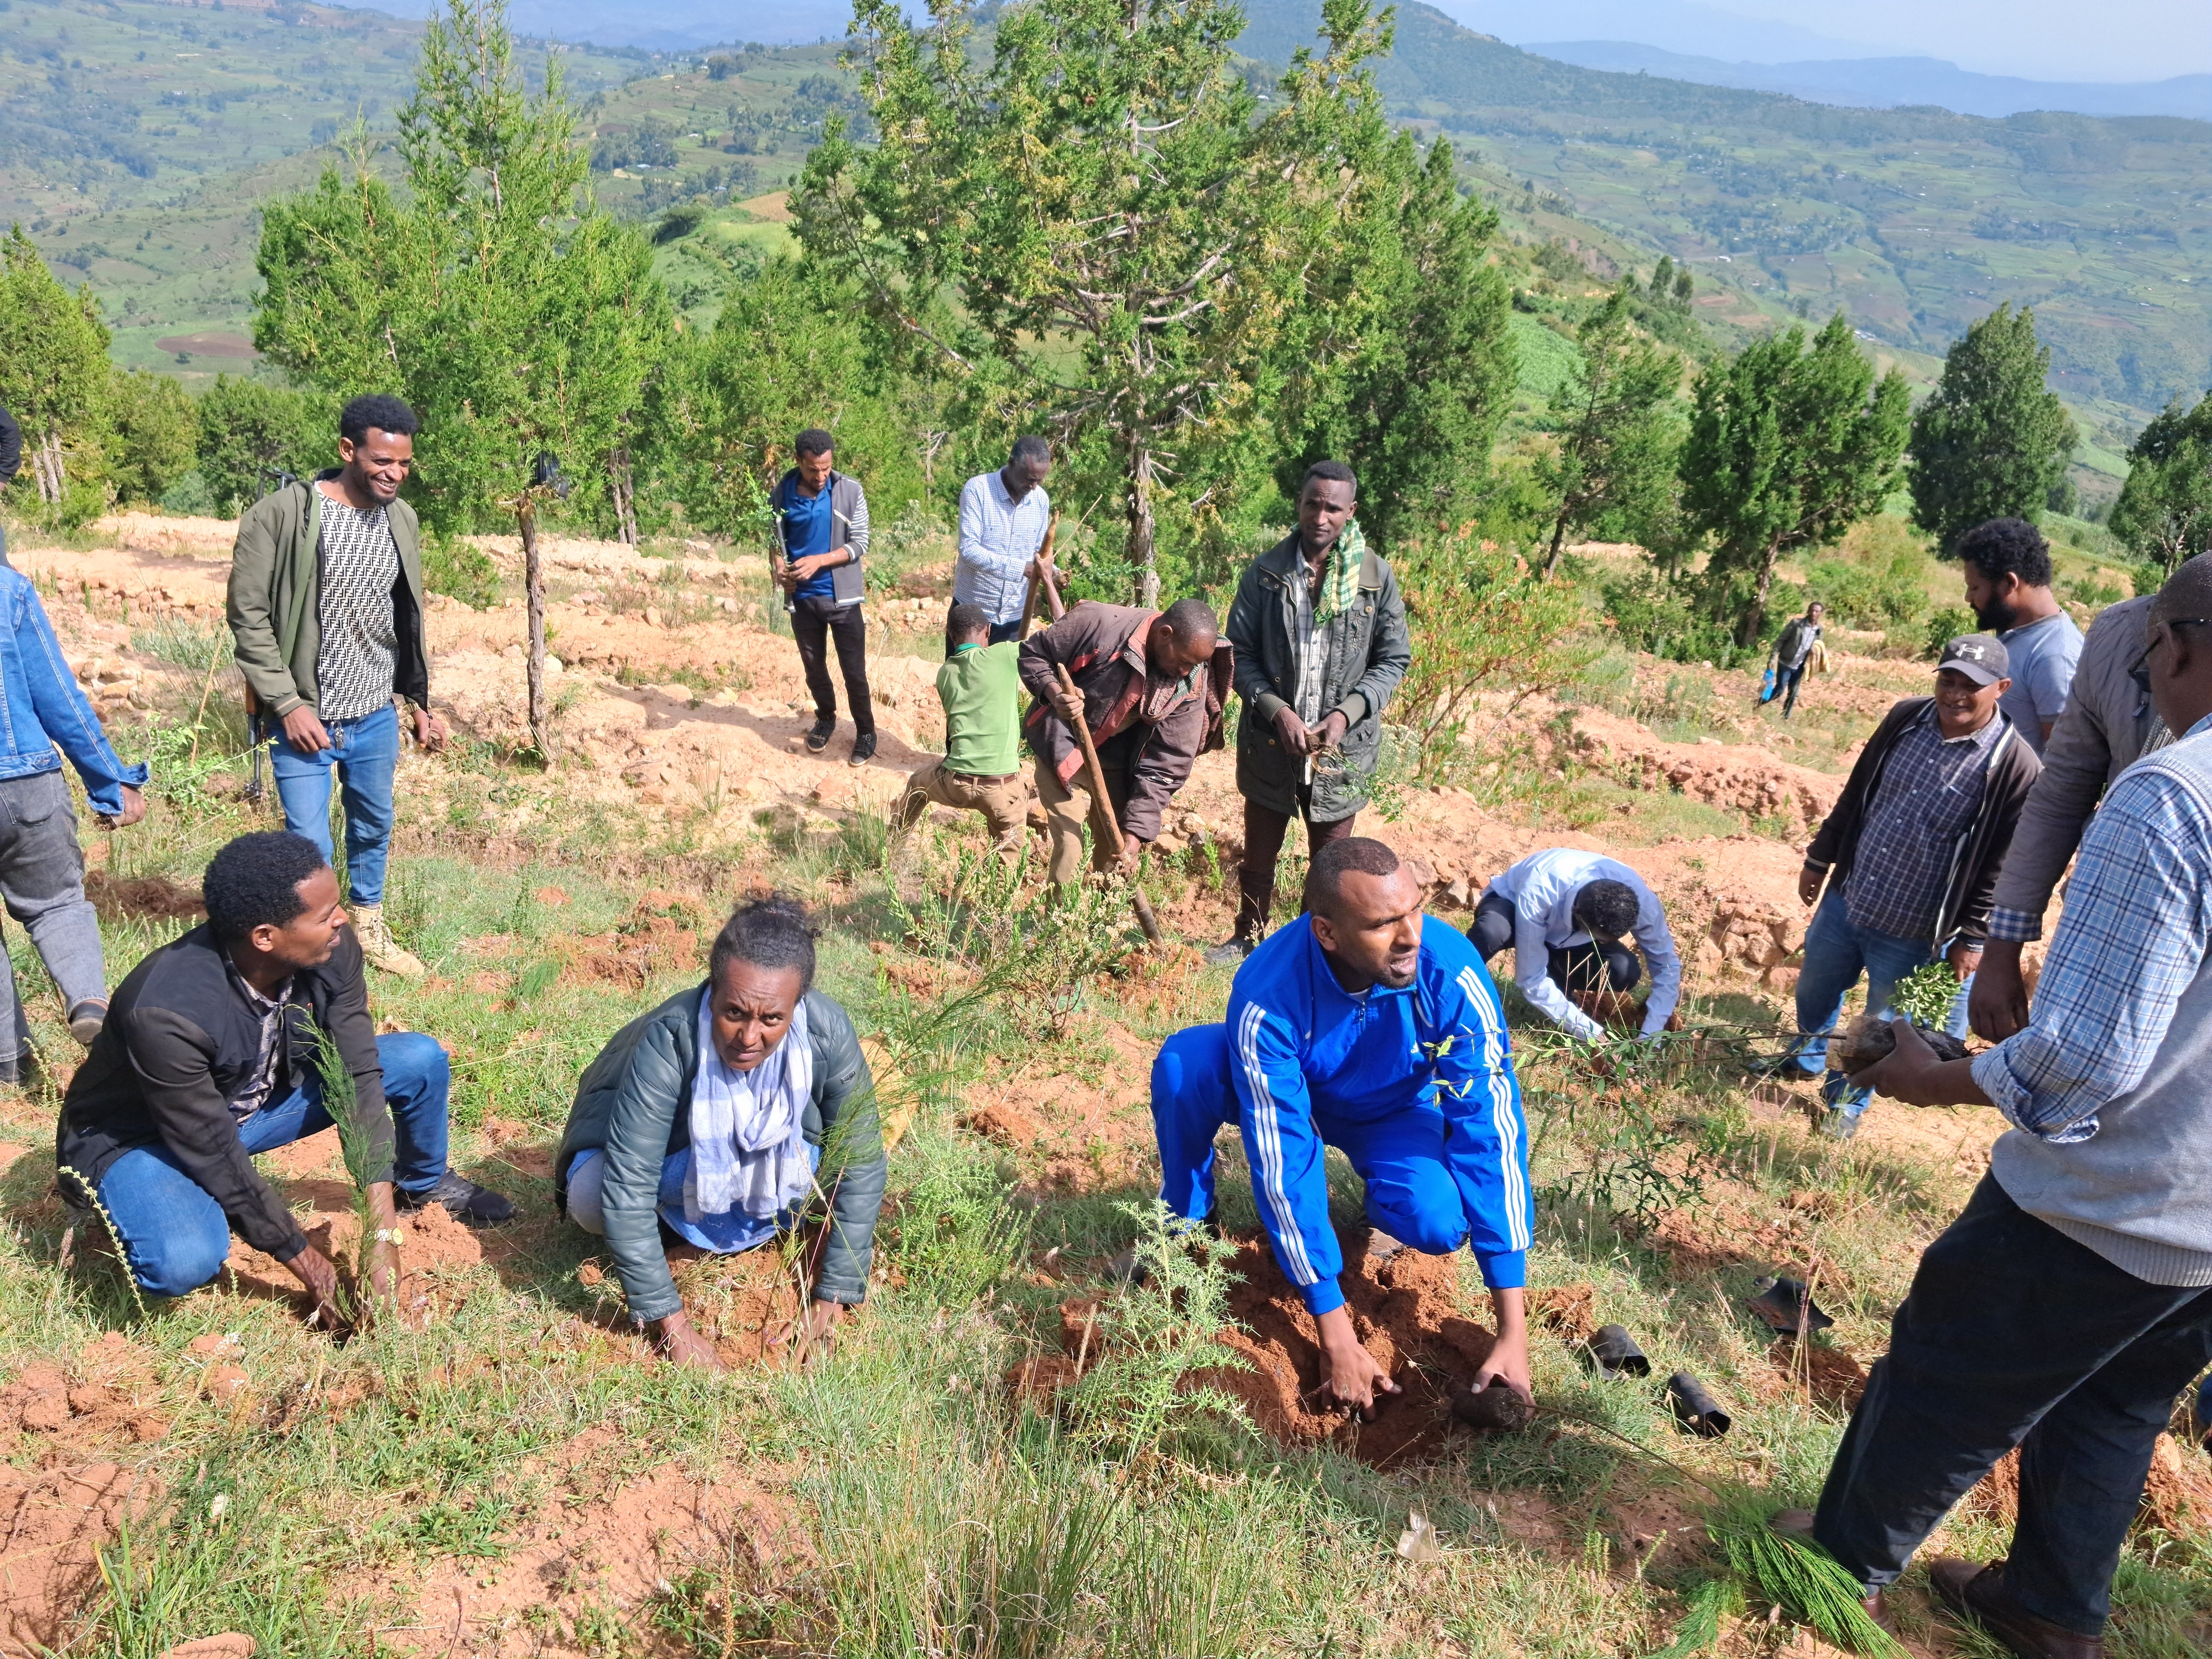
{"x":1003,"y":519}
{"x":1567,"y":915}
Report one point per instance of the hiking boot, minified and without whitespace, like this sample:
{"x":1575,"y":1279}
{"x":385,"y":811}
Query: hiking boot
{"x":863,"y":749}
{"x":479,"y":1206}
{"x":1229,"y":952}
{"x":1798,"y":1524}
{"x":1979,"y":1593}
{"x":384,"y":952}
{"x":818,"y":735}
{"x":85,"y":1017}
{"x":1383,"y":1246}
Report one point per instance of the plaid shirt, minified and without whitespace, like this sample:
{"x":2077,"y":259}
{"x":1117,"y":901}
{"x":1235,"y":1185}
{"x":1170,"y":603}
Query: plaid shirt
{"x":1928,"y":793}
{"x":2137,"y":921}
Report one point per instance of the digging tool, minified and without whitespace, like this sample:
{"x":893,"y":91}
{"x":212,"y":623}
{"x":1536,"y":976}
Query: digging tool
{"x":1043,"y":558}
{"x":1102,"y":803}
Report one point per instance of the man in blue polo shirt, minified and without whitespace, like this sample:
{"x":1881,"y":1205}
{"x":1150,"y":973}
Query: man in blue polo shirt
{"x":1366,"y":1026}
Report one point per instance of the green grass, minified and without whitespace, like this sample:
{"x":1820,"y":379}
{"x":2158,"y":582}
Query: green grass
{"x":937,"y":1513}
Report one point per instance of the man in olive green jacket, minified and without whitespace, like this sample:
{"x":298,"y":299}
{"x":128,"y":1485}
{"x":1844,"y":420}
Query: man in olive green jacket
{"x":326,"y":608}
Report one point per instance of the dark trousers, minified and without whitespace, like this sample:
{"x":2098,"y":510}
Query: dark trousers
{"x":1264,"y":830}
{"x":2015,"y":1336}
{"x":1787,"y":680}
{"x":814,"y":623}
{"x":1576,"y":970}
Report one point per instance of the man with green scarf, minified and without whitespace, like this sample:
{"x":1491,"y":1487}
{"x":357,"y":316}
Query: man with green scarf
{"x":1319,"y":631}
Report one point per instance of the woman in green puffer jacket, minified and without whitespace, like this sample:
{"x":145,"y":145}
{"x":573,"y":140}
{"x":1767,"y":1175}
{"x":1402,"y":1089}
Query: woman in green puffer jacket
{"x":719,"y":1114}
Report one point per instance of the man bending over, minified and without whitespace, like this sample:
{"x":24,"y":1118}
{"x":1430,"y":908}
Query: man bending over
{"x":208,"y":1057}
{"x":1366,"y":1026}
{"x":1568,"y":915}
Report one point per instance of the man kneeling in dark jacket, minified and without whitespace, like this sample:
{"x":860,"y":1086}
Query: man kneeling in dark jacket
{"x":209,"y":1057}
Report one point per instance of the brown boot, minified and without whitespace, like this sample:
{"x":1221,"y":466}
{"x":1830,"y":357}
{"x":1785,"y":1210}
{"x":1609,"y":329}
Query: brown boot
{"x":1979,"y":1593}
{"x":377,"y":944}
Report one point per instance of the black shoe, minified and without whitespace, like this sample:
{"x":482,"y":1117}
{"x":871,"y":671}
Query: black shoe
{"x":1229,"y":952}
{"x":817,"y":739}
{"x":479,"y":1206}
{"x":864,"y":749}
{"x":86,"y":1018}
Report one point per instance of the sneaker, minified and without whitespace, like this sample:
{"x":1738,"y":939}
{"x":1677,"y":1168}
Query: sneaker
{"x":384,"y":952}
{"x":479,"y":1206}
{"x":85,"y":1017}
{"x":863,"y":749}
{"x":1229,"y":952}
{"x":818,"y":735}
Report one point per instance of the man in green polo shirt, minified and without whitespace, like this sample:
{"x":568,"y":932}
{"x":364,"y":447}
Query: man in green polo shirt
{"x":981,"y":688}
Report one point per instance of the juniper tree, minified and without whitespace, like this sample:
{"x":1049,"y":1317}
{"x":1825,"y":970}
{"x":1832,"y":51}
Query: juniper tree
{"x":1991,"y":441}
{"x":1096,"y":225}
{"x":1787,"y":448}
{"x":53,"y":379}
{"x":1616,"y":450}
{"x":2165,"y":508}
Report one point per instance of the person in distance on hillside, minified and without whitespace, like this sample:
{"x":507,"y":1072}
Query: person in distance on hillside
{"x":2110,"y":723}
{"x":41,"y":865}
{"x":2066,"y":1308}
{"x":1319,"y":631}
{"x":1909,"y":856}
{"x":1567,"y":915}
{"x":1797,"y":651}
{"x":2007,"y":566}
{"x":1004,"y":516}
{"x":209,"y":1058}
{"x":326,"y":610}
{"x":714,"y":1116}
{"x":1366,"y":1026}
{"x":821,"y":536}
{"x":1153,"y":685}
{"x":981,"y":689}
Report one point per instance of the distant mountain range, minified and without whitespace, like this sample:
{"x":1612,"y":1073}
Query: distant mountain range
{"x":1683,"y":26}
{"x":1895,"y":82}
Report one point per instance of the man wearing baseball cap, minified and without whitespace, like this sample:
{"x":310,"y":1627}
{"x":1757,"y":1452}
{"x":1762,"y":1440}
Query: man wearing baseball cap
{"x":1908,"y":857}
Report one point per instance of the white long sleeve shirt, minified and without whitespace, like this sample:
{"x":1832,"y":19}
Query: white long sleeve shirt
{"x":1542,"y":889}
{"x":999,"y":536}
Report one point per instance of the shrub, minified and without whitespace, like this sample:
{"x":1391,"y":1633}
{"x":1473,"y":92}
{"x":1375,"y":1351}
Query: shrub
{"x":1669,"y":618}
{"x":460,"y":569}
{"x":1945,"y":626}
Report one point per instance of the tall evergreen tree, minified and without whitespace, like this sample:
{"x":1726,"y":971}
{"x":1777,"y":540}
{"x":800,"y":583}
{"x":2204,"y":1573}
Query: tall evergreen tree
{"x":1398,"y":358}
{"x":1096,"y":226}
{"x":1617,"y":430}
{"x":2165,"y":508}
{"x":1787,"y":448}
{"x":53,"y":379}
{"x":498,"y":299}
{"x":1991,"y":441}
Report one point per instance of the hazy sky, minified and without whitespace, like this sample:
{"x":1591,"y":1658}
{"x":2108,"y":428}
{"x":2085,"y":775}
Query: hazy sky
{"x":2048,"y":40}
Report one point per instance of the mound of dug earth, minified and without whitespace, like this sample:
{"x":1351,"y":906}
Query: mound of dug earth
{"x":1409,"y":1311}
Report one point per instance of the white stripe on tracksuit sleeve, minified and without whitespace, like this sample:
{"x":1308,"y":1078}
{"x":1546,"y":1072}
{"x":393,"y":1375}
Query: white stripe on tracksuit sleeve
{"x":1486,"y":1145}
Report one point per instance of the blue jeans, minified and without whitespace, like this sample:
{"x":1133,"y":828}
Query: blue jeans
{"x":366,"y":753}
{"x":175,"y":1237}
{"x":1410,"y":1194}
{"x":728,"y":1234}
{"x":1837,"y":951}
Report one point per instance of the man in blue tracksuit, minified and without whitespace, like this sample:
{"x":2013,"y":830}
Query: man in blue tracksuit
{"x":1366,"y":1026}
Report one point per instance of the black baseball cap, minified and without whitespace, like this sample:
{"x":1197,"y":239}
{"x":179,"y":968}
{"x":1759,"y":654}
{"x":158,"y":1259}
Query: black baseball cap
{"x":1982,"y":658}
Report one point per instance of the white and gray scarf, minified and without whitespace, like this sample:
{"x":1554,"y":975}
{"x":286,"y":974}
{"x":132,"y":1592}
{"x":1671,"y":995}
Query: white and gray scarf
{"x":748,"y":1128}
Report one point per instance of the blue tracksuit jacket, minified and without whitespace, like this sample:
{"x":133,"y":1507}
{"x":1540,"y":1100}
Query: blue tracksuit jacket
{"x":1301,"y":1045}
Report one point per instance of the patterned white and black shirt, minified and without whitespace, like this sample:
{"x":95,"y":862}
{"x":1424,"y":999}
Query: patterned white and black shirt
{"x":360,"y":566}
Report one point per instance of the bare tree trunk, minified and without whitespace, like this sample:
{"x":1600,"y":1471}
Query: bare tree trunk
{"x":1141,"y":527}
{"x":1755,"y":618}
{"x":533,"y":582}
{"x":1559,"y":542}
{"x":625,"y":495}
{"x":46,"y":466}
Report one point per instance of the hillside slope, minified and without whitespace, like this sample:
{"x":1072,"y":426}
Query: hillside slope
{"x":1916,"y":222}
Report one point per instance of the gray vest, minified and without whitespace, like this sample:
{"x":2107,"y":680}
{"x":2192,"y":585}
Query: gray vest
{"x":2139,"y":1191}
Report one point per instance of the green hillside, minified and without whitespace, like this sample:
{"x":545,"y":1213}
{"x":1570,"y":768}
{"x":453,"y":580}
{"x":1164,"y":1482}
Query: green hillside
{"x":1915,"y":220}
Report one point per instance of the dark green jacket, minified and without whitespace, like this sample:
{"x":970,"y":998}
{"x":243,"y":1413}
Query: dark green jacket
{"x":276,"y":599}
{"x":1367,"y":652}
{"x":634,"y":1100}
